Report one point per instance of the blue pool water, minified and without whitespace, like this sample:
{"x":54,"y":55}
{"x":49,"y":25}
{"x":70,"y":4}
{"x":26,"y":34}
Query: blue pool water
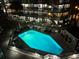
{"x":41,"y":41}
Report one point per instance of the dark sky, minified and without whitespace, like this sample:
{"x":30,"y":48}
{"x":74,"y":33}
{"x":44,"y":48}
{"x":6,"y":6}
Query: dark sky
{"x":75,"y":1}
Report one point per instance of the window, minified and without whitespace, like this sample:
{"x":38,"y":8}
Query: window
{"x":61,"y":6}
{"x":63,"y":1}
{"x":66,"y":5}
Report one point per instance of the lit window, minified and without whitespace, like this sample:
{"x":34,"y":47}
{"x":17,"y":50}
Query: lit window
{"x":61,"y":21}
{"x":66,"y":5}
{"x":8,"y":4}
{"x":25,"y":5}
{"x":40,"y":6}
{"x":45,"y":5}
{"x":59,"y":25}
{"x":76,"y":6}
{"x":66,"y":13}
{"x":61,"y":6}
{"x":49,"y":6}
{"x":58,"y":14}
{"x":50,"y":14}
{"x":60,"y":1}
{"x":56,"y":21}
{"x":35,"y":5}
{"x":65,"y":23}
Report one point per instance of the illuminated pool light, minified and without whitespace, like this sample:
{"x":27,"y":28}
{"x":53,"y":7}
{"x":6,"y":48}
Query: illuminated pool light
{"x":41,"y":41}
